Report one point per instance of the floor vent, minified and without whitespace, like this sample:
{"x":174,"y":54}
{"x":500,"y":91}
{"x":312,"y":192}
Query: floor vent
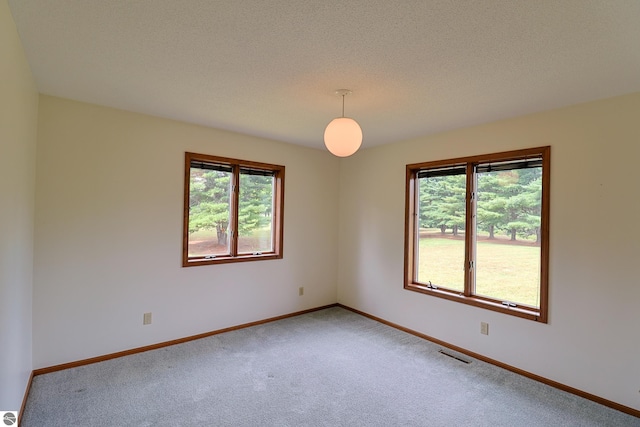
{"x":453,"y":356}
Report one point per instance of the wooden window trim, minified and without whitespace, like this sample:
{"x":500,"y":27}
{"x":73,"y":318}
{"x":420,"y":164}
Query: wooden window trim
{"x":277,"y":214}
{"x":468,"y":297}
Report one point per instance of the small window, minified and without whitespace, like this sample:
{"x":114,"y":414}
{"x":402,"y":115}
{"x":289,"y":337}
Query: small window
{"x":233,"y":210}
{"x":477,"y":231}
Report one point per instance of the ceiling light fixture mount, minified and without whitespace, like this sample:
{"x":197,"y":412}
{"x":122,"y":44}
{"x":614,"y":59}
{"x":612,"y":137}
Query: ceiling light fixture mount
{"x":343,"y":135}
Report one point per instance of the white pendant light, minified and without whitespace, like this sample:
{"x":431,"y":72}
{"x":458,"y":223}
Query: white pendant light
{"x":343,"y":135}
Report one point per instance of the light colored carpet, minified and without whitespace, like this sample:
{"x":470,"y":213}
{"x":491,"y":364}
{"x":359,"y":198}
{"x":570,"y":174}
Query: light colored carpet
{"x":327,"y":368}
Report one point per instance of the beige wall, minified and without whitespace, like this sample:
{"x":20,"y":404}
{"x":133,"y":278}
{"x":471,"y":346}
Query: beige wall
{"x":109,"y":234}
{"x":592,"y":340}
{"x":18,"y":119}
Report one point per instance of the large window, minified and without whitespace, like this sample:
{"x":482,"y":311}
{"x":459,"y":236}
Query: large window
{"x":477,"y":231}
{"x":233,"y":210}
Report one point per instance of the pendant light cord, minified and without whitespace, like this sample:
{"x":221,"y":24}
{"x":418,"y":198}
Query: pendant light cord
{"x":342,"y":105}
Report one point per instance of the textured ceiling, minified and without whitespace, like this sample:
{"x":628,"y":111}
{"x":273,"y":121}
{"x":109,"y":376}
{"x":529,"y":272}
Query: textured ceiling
{"x":270,"y":68}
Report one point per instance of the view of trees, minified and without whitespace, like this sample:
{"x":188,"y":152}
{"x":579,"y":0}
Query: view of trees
{"x":507,"y":201}
{"x":256,"y":199}
{"x":210,"y":201}
{"x":442,"y":203}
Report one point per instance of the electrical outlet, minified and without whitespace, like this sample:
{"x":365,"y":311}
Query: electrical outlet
{"x":301,"y":290}
{"x":484,"y":328}
{"x":146,"y":319}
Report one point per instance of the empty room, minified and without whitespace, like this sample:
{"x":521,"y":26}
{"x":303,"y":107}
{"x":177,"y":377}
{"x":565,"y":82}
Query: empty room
{"x":319,"y":213}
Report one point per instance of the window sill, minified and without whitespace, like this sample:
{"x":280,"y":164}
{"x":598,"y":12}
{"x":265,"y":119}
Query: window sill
{"x":520,"y":311}
{"x":193,"y":262}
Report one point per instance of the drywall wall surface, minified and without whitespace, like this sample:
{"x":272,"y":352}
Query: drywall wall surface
{"x":109,"y":234}
{"x":18,"y":127}
{"x":592,"y":340}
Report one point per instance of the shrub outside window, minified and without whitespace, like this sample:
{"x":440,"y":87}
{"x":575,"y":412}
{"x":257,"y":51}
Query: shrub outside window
{"x":233,"y":210}
{"x":477,"y":231}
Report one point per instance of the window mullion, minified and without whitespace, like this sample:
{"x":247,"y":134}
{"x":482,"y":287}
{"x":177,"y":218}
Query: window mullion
{"x":415,"y":225}
{"x":278,"y":206}
{"x":235,"y":202}
{"x":473,"y":232}
{"x":469,"y":235}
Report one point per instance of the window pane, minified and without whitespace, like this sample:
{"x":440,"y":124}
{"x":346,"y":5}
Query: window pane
{"x":441,"y":221}
{"x":209,"y":212}
{"x":255,"y":219}
{"x":508,"y":214}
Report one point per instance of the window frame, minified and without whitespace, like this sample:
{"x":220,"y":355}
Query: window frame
{"x":277,"y":210}
{"x":468,"y":295}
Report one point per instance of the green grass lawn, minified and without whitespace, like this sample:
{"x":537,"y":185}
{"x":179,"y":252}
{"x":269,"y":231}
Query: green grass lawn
{"x":504,"y":271}
{"x":205,"y":242}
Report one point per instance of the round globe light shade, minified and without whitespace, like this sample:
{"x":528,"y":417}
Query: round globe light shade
{"x":343,"y":136}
